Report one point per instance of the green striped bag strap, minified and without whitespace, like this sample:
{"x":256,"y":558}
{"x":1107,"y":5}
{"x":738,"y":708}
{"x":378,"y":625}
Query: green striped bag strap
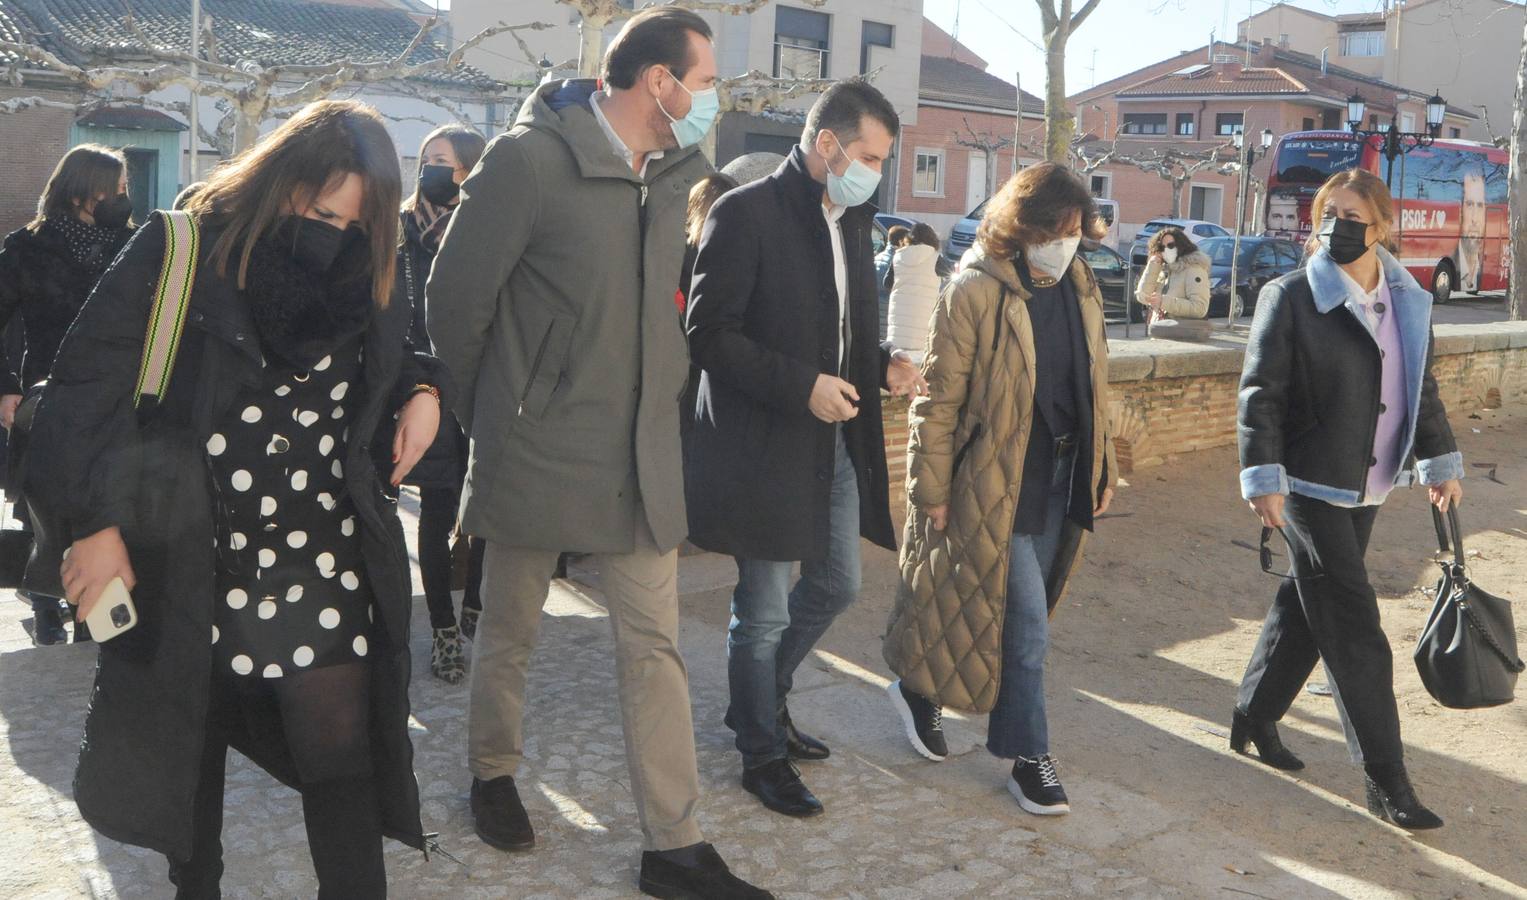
{"x":172,"y":297}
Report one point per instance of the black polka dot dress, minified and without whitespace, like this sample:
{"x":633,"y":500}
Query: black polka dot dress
{"x":291,"y":584}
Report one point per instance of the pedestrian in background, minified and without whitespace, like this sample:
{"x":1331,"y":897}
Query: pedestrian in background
{"x":47,"y":269}
{"x":702,"y":197}
{"x":552,"y":300}
{"x":446,"y":157}
{"x":915,"y":280}
{"x":272,"y":588}
{"x":1175,"y":286}
{"x":1010,"y":462}
{"x":1337,"y":407}
{"x":785,"y":460}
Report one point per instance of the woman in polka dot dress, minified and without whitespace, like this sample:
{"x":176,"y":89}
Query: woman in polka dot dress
{"x":245,"y":513}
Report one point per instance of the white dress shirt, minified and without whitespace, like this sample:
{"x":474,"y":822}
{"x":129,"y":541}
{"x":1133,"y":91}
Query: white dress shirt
{"x":834,"y":216}
{"x":619,"y":145}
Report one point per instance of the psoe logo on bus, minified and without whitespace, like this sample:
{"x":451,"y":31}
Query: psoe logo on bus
{"x":1423,"y":219}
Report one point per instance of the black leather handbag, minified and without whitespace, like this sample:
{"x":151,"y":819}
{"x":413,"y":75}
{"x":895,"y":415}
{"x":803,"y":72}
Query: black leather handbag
{"x":1467,"y":652}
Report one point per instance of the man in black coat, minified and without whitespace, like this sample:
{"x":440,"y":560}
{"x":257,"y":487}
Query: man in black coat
{"x":785,"y":460}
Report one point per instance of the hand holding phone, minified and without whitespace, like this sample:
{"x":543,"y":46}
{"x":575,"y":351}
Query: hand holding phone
{"x":112,"y":613}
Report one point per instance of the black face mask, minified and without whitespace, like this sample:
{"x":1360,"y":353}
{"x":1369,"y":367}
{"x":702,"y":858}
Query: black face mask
{"x":1345,"y":239}
{"x":438,"y":185}
{"x":114,"y":212}
{"x":313,"y":244}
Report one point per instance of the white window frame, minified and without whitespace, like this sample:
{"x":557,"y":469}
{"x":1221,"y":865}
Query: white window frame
{"x":942,"y":174}
{"x":1370,"y":45}
{"x":1107,"y":184}
{"x":1219,"y":214}
{"x":1407,"y":121}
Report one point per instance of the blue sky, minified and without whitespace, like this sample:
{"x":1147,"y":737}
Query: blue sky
{"x":1126,"y":34}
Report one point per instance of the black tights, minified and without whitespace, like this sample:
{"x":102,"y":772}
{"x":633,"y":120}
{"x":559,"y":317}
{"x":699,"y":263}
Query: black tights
{"x":437,"y":519}
{"x":322,"y":717}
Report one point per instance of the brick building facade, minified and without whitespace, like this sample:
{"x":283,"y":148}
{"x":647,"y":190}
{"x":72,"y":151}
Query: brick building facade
{"x":1192,"y":102}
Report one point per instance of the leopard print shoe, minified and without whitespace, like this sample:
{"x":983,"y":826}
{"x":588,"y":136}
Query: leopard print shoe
{"x":447,"y":657}
{"x":469,"y":622}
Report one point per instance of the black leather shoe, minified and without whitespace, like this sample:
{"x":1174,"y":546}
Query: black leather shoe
{"x":499,"y":815}
{"x":702,"y":875}
{"x":799,"y":745}
{"x":1264,"y":735}
{"x":48,"y":626}
{"x":778,"y":784}
{"x":1391,"y":798}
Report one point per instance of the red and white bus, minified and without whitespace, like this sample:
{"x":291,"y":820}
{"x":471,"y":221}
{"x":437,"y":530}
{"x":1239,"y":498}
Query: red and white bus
{"x":1450,"y":199}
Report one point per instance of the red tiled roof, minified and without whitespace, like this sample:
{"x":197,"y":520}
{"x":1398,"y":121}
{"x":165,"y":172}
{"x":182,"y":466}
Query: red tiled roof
{"x":1207,"y":79}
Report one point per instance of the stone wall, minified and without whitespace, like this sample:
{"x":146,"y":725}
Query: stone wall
{"x":1169,"y":398}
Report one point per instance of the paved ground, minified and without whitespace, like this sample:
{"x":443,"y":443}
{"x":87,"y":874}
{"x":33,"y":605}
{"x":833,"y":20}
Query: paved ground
{"x":1146,"y":654}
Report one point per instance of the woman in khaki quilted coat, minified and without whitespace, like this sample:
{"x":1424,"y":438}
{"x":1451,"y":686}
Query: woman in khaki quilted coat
{"x":1010,"y":460}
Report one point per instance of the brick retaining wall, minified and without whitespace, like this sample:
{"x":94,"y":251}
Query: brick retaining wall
{"x":1170,"y":398}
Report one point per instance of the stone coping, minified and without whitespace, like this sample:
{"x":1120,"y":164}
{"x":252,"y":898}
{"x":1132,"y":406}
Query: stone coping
{"x":1140,"y":360}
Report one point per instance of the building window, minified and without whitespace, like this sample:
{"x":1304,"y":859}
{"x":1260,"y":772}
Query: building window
{"x":1185,"y":124}
{"x":1407,"y":121}
{"x":1362,"y":43}
{"x":1454,"y":133}
{"x":875,"y":34}
{"x":1226,"y":124}
{"x":1330,"y":118}
{"x":1307,"y":125}
{"x":1101,"y":185}
{"x":928,"y":173}
{"x":800,"y":43}
{"x":1145,"y":123}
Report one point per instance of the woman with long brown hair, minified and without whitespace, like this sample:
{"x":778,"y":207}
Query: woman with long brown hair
{"x":1337,"y":408}
{"x":244,"y":512}
{"x":47,"y":269}
{"x":447,"y":156}
{"x":1010,"y":462}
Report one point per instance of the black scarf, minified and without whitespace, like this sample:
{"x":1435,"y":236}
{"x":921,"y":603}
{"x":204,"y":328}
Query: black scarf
{"x":92,"y":246}
{"x":303,"y":317}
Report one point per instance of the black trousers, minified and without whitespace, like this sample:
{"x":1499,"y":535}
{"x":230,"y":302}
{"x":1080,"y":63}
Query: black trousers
{"x":322,"y":716}
{"x":1328,"y":612}
{"x":437,"y":519}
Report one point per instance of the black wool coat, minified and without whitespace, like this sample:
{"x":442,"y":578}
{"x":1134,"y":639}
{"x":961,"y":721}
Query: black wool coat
{"x":444,"y":464}
{"x":98,"y":462}
{"x":40,"y":280}
{"x":763,"y":324}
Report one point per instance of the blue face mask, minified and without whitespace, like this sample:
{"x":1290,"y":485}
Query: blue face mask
{"x":856,"y":185}
{"x":693,"y":128}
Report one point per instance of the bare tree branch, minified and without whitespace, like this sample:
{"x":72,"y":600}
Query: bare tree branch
{"x":1083,"y":13}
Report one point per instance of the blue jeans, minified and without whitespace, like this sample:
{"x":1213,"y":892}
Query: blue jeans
{"x":773,"y":627}
{"x":1017,"y":726}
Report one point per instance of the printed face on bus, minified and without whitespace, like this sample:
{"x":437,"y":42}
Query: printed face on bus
{"x":1282,"y":214}
{"x":1473,"y":224}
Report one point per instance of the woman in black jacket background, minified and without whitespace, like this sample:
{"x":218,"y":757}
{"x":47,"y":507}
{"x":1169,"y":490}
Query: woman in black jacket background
{"x":446,"y":157}
{"x":47,"y":269}
{"x":245,"y":514}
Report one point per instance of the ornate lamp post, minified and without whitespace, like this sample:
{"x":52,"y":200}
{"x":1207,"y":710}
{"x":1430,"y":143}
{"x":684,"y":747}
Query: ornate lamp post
{"x":1397,"y":143}
{"x":1247,"y":155}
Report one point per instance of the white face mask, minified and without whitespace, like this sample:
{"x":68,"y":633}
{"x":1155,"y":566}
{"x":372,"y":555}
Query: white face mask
{"x":1169,"y":254}
{"x":1054,"y":257}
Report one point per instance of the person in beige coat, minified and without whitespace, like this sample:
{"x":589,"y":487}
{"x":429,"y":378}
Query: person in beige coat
{"x":1175,"y":286}
{"x":1010,"y":460}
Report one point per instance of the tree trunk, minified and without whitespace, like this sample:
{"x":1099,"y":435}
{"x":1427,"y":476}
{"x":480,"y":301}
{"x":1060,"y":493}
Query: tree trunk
{"x":1517,"y":293}
{"x":591,"y":45}
{"x":1060,"y":124}
{"x":246,"y":129}
{"x":1177,"y":198}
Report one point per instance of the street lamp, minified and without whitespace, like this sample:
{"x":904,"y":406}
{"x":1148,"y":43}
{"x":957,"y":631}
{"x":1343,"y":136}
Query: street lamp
{"x":1247,"y":155}
{"x":1397,"y":143}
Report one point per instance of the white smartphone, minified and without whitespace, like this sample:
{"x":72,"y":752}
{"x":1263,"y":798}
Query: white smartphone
{"x":113,"y":612}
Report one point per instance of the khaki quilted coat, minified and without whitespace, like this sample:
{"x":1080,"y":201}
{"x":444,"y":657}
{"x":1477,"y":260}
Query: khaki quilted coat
{"x":944,"y":639}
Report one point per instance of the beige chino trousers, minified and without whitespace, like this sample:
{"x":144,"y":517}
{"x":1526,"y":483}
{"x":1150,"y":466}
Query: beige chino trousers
{"x":641,"y":589}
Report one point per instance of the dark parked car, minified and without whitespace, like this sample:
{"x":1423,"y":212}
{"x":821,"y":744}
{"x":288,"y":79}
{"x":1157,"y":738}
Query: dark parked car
{"x":1262,"y":259}
{"x":1108,"y":266}
{"x":891,"y":220}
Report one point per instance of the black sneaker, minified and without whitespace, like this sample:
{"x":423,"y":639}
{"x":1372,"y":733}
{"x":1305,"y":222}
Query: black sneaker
{"x":1036,"y":786}
{"x":923,"y":720}
{"x":704,"y":877}
{"x":499,"y":816}
{"x":48,"y":626}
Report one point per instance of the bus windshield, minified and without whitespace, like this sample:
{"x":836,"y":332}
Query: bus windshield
{"x":1313,"y":161}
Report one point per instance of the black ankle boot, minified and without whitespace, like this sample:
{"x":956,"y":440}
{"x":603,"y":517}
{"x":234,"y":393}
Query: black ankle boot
{"x":1391,"y":798}
{"x":1264,"y":735}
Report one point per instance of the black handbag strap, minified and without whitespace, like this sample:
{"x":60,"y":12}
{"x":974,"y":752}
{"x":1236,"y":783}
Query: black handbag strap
{"x":1450,"y":536}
